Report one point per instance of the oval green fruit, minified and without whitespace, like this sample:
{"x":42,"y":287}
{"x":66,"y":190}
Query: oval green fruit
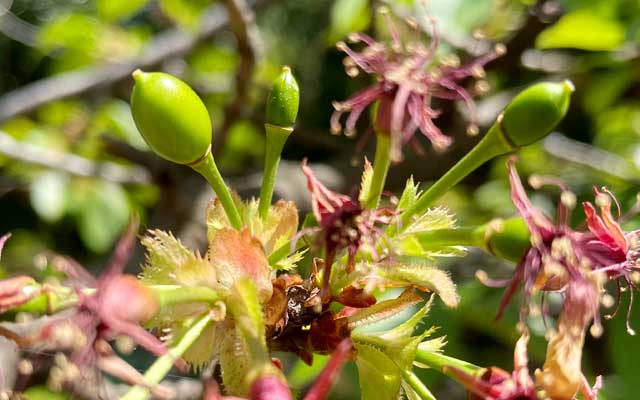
{"x":535,"y":111}
{"x":170,"y":116}
{"x":283,"y":100}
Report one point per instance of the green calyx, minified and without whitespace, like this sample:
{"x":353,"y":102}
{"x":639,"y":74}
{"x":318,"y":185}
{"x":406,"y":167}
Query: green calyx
{"x":535,"y":111}
{"x":283,"y":100}
{"x":171,"y":117}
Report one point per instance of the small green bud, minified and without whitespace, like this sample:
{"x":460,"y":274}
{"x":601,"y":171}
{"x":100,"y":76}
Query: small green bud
{"x":508,"y":239}
{"x":535,"y":111}
{"x":171,"y":117}
{"x":283,"y":100}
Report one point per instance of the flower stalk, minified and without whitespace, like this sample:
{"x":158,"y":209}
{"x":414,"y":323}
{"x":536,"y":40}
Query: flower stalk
{"x":209,"y":170}
{"x":281,"y":113}
{"x":380,"y":169}
{"x":546,"y":103}
{"x":163,"y":364}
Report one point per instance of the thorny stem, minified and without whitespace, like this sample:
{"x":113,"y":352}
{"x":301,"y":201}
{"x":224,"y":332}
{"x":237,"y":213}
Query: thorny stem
{"x":492,"y":145}
{"x":163,"y":365}
{"x":276,"y":138}
{"x":380,"y":169}
{"x":207,"y":167}
{"x":440,"y":363}
{"x":417,"y":385}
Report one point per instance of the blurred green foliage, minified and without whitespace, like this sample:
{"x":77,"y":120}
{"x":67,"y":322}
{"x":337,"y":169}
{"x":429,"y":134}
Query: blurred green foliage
{"x":595,"y":43}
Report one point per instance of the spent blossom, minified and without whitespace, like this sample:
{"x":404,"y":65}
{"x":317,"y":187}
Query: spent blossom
{"x":408,"y":77}
{"x":345,"y":224}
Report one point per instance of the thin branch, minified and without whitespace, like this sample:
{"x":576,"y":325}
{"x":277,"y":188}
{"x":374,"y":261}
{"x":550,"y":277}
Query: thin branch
{"x":243,"y":25}
{"x":590,"y":156}
{"x":168,"y":44}
{"x":71,"y":163}
{"x":15,"y":28}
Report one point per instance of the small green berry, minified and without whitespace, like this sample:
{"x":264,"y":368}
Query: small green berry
{"x":283,"y":100}
{"x":535,"y":111}
{"x":508,"y":239}
{"x":171,"y":117}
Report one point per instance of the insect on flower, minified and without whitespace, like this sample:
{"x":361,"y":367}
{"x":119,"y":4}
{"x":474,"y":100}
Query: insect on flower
{"x":408,"y":77}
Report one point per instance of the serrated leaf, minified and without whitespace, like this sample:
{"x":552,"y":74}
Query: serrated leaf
{"x":280,"y":227}
{"x":205,"y":348}
{"x":375,"y":366}
{"x":423,"y":277}
{"x":583,"y":29}
{"x":169,"y":262}
{"x":289,"y":263}
{"x":246,"y":309}
{"x":409,"y":195}
{"x":433,"y":219}
{"x":235,"y":361}
{"x":407,"y":328}
{"x":365,"y":184}
{"x":383,"y":310}
{"x":48,"y":195}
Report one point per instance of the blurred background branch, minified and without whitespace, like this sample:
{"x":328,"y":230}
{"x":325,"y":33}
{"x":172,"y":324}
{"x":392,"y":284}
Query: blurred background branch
{"x":172,"y":43}
{"x":71,"y":163}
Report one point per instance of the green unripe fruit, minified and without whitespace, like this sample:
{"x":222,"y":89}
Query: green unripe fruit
{"x":171,"y":117}
{"x":508,"y":239}
{"x":535,"y":111}
{"x":283,"y":100}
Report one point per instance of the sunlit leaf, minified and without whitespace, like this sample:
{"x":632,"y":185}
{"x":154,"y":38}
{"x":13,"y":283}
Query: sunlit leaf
{"x":113,"y":10}
{"x":583,"y":29}
{"x":184,"y":12}
{"x":103,"y":216}
{"x":49,"y":195}
{"x":348,"y":16}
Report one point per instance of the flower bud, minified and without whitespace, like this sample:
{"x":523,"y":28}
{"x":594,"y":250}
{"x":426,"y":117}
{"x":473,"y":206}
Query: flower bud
{"x":171,"y":117}
{"x":283,"y":100}
{"x":534,"y":112}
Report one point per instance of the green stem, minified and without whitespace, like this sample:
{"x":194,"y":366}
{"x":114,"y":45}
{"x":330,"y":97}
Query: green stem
{"x":173,"y":294}
{"x":449,"y":237}
{"x":207,"y":167}
{"x":276,"y":138}
{"x":380,"y":169}
{"x":492,"y":145}
{"x":438,"y":361}
{"x":417,"y":385}
{"x":163,"y":365}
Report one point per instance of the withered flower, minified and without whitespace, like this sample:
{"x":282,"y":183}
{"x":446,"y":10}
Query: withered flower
{"x":345,"y":224}
{"x":408,"y":78}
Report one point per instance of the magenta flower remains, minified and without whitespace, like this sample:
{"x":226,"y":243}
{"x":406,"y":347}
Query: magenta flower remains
{"x":408,"y":77}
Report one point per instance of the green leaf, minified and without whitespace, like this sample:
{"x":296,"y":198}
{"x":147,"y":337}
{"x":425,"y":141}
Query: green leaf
{"x":583,"y":29}
{"x":424,"y":277}
{"x":409,"y":195}
{"x":48,"y":195}
{"x":365,"y":184}
{"x":374,"y":366}
{"x":114,"y":10}
{"x":103,"y":216}
{"x":185,"y":12}
{"x":348,"y":16}
{"x":42,"y":393}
